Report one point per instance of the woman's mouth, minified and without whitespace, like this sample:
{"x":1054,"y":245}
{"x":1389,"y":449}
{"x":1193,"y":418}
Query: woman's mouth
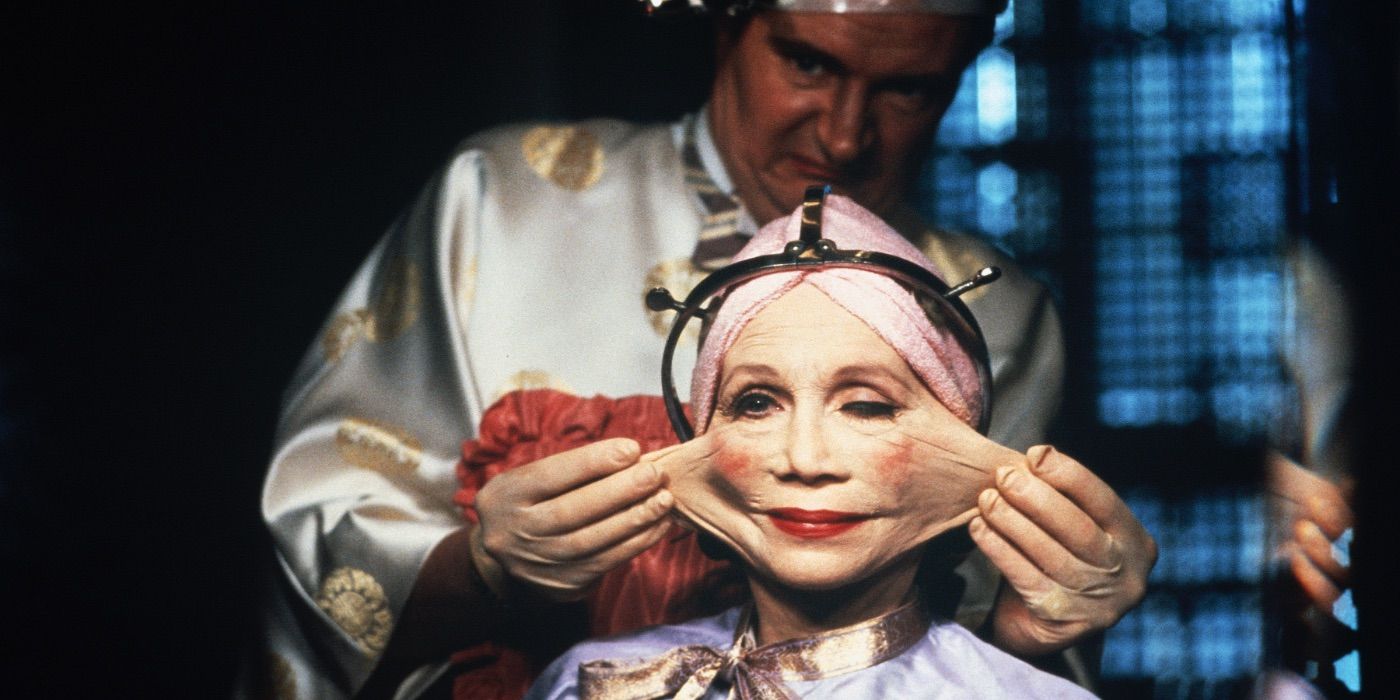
{"x":814,"y":523}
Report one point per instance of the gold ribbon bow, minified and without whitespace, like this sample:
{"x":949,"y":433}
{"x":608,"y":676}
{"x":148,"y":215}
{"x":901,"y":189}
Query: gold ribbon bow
{"x":756,"y":673}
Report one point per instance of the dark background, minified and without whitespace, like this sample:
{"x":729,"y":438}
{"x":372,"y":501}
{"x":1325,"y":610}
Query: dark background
{"x":182,"y":194}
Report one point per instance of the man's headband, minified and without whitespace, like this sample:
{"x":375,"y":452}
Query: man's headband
{"x":984,"y":8}
{"x":989,"y":8}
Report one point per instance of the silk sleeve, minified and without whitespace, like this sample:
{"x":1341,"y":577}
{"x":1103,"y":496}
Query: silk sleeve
{"x":360,"y":486}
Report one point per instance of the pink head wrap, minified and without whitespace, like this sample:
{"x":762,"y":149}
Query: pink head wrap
{"x":882,"y":303}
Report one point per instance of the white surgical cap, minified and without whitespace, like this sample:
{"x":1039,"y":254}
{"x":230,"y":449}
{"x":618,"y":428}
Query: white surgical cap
{"x":948,"y":7}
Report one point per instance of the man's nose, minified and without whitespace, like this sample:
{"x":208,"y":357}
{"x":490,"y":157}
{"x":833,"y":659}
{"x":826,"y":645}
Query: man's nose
{"x":809,"y":457}
{"x":844,"y":127}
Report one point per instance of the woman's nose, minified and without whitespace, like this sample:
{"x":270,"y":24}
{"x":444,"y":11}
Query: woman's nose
{"x":809,"y":457}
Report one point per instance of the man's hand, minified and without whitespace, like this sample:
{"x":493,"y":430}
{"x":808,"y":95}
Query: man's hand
{"x":558,"y":524}
{"x":1311,"y":512}
{"x":1074,"y":557}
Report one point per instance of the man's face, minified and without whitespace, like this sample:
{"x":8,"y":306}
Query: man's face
{"x":847,"y":99}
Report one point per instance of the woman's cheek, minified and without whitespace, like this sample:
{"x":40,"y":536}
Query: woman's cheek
{"x":893,"y":461}
{"x":733,"y":458}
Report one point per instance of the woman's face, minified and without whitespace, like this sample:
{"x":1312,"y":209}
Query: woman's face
{"x":825,"y":448}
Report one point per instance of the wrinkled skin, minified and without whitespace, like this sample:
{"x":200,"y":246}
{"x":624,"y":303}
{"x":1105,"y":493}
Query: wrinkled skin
{"x":560,"y":523}
{"x":1075,"y":559}
{"x":815,"y":412}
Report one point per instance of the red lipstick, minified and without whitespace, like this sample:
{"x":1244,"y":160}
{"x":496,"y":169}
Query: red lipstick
{"x":814,"y":523}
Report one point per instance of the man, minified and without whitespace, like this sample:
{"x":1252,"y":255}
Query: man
{"x":524,"y":265}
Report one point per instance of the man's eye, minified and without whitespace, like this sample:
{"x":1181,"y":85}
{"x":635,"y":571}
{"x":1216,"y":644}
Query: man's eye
{"x":753,"y":405}
{"x":808,"y":65}
{"x":914,"y":94}
{"x":869,"y":409}
{"x":911,"y":91}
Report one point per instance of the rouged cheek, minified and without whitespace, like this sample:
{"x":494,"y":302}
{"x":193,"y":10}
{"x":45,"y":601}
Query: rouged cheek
{"x":733,"y":458}
{"x":894,"y":461}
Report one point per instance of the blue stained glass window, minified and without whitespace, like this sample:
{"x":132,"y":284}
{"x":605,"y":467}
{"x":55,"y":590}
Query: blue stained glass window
{"x":1246,"y":198}
{"x":1037,"y":203}
{"x":1208,"y":633}
{"x":959,"y":126}
{"x":950,"y":191}
{"x":1174,"y":118}
{"x":1033,"y":102}
{"x":996,"y":96}
{"x":1029,"y":17}
{"x":1147,"y":16}
{"x":996,"y":199}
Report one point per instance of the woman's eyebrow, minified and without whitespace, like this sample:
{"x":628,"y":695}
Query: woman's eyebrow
{"x":751,"y":370}
{"x":865,"y":372}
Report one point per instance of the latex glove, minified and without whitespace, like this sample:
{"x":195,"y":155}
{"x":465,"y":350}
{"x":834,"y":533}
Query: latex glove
{"x":914,"y":476}
{"x":1311,"y":512}
{"x":1074,"y":557}
{"x":558,"y":524}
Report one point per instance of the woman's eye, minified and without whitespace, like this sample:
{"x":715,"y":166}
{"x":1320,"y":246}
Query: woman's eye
{"x":753,"y":405}
{"x":869,"y":409}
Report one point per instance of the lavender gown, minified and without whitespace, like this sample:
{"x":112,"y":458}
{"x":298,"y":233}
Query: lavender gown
{"x":948,"y":662}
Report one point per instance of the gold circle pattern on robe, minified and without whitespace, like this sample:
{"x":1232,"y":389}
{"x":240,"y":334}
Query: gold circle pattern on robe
{"x":466,"y":291}
{"x":383,"y":512}
{"x":567,"y":156}
{"x":356,"y":603}
{"x":396,"y":305}
{"x":344,"y":331}
{"x":372,"y":444}
{"x":394,"y":308}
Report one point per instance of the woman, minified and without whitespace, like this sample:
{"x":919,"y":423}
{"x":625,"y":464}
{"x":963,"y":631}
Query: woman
{"x":836,"y":439}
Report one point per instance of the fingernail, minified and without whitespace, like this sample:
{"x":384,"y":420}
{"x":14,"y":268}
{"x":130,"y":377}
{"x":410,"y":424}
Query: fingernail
{"x":977,"y":525}
{"x":627,"y":451}
{"x":988,"y":498}
{"x":648,"y":475}
{"x":1038,"y":455}
{"x":665,"y":499}
{"x":1007,"y":476}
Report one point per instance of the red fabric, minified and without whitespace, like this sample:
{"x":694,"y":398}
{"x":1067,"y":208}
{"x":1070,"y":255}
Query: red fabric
{"x":671,"y":582}
{"x":490,"y":672}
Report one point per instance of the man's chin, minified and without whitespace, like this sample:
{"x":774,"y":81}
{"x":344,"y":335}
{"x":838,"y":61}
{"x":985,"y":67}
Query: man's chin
{"x":787,"y":198}
{"x":778,"y":202}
